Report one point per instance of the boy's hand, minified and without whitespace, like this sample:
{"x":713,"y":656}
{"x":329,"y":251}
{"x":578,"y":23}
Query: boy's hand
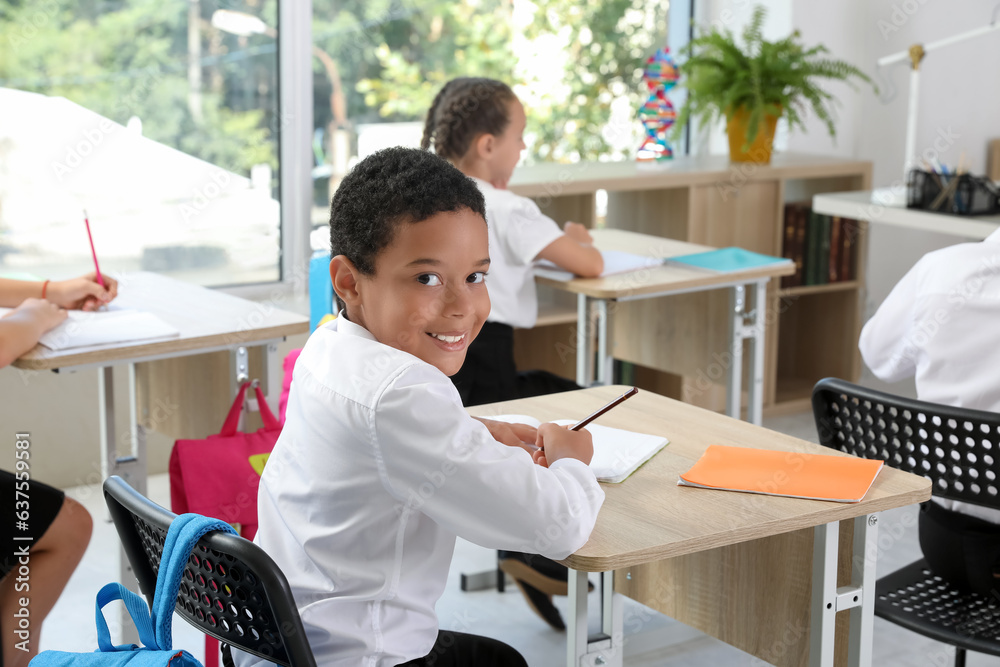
{"x":512,"y":435}
{"x":83,"y":293}
{"x":558,"y":442}
{"x":578,"y":233}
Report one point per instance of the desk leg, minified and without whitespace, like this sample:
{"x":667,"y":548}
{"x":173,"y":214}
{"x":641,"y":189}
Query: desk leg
{"x":859,"y":645}
{"x":606,"y":648}
{"x":739,"y":329}
{"x":581,"y":341}
{"x":604,"y":362}
{"x":859,"y":597}
{"x":823,"y":610}
{"x":734,"y":374}
{"x":757,"y":342}
{"x":132,"y":468}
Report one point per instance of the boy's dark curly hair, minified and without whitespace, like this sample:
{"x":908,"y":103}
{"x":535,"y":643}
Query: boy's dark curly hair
{"x":464,"y":109}
{"x":388,"y":188}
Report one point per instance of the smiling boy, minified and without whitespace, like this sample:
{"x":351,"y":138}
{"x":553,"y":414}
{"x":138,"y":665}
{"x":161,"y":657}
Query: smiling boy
{"x":379,"y":466}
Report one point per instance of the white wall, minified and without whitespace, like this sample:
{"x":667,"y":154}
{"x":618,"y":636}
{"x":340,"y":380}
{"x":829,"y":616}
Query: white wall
{"x":959,"y":96}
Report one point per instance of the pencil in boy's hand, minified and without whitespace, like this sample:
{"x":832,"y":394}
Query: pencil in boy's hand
{"x":586,"y":420}
{"x":93,"y":253}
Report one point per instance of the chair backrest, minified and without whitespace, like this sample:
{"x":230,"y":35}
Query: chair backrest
{"x":232,"y":590}
{"x":957,"y":449}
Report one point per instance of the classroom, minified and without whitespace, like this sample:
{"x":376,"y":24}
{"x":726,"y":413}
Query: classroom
{"x":777,"y":220}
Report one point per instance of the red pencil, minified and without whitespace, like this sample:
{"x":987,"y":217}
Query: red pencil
{"x":93,"y":253}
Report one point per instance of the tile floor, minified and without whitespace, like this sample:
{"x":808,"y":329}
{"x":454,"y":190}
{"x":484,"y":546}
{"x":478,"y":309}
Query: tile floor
{"x":662,"y":641}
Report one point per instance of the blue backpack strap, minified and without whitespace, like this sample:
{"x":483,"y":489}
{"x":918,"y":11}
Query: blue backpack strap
{"x":137,"y":609}
{"x":182,"y":536}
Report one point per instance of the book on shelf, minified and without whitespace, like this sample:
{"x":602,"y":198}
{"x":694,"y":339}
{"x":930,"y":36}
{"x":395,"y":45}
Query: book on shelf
{"x":833,"y":272}
{"x":794,"y":241}
{"x":617,"y":452}
{"x":837,"y":478}
{"x":821,"y":246}
{"x":823,"y":250}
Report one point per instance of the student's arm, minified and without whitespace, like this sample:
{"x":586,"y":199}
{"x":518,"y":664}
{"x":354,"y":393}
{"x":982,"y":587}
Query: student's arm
{"x":81,"y":293}
{"x":21,"y":328}
{"x":889,"y":341}
{"x":574,"y":252}
{"x":446,"y":465}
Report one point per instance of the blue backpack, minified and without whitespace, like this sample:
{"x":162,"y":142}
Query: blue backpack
{"x":154,"y":628}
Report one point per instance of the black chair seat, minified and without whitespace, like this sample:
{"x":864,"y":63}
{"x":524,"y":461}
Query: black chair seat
{"x":955,"y":448}
{"x":917,"y":599}
{"x":231,"y":590}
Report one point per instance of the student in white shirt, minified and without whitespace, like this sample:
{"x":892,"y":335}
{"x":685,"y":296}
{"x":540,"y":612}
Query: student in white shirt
{"x":478,"y":125}
{"x":379,"y":466}
{"x":939,"y":324}
{"x":56,"y":536}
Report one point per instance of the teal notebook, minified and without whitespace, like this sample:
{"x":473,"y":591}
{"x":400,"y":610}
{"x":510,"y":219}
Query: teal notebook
{"x":728,"y":259}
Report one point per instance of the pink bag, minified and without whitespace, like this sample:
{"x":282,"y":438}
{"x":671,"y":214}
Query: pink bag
{"x":219,"y":475}
{"x":286,"y":382}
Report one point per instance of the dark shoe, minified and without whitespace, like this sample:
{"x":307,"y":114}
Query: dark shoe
{"x":541,"y":604}
{"x":542,"y":573}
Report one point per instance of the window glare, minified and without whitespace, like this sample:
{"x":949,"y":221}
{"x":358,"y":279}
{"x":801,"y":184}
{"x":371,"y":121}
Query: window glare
{"x":159,"y":122}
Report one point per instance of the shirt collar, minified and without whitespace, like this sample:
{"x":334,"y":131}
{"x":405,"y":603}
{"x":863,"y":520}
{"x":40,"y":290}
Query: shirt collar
{"x":994,"y":237}
{"x":482,"y":184}
{"x":345,"y":326}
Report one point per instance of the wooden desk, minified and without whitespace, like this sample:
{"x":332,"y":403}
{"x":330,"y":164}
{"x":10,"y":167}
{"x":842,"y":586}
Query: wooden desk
{"x":859,"y":206}
{"x":748,"y":321}
{"x":207,"y":320}
{"x":759,"y":572}
{"x":812,"y":330}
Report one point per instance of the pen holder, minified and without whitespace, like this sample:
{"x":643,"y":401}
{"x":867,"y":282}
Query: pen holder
{"x":957,"y":194}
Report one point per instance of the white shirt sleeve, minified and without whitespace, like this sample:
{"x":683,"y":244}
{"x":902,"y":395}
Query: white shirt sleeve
{"x":438,"y":460}
{"x":888,"y":342}
{"x":527,"y":231}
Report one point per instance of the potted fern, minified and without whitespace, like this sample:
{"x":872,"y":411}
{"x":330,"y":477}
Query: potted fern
{"x":752,"y":85}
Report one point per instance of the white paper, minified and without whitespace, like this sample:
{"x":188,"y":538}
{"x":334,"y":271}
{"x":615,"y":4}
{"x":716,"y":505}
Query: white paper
{"x":617,"y":452}
{"x":105,"y":326}
{"x":615,"y":261}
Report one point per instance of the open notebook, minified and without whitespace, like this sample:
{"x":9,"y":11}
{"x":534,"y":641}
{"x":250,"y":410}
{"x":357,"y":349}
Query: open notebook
{"x":105,"y":326}
{"x":617,"y":452}
{"x":615,"y":261}
{"x":842,"y":479}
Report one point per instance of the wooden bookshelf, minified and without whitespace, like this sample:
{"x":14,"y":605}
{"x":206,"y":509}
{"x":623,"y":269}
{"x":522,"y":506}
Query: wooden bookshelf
{"x":812,"y":330}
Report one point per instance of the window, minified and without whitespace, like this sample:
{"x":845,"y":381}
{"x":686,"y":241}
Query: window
{"x":576,"y":66}
{"x":158,"y":118}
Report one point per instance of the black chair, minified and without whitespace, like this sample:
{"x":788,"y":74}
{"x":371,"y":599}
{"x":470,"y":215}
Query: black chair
{"x":955,"y":448}
{"x":232,"y":590}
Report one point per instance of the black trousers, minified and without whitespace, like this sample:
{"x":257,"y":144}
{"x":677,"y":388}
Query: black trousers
{"x":457,"y":649}
{"x":489,"y":374}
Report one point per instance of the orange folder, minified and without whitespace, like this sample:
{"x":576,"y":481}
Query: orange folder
{"x":842,"y":479}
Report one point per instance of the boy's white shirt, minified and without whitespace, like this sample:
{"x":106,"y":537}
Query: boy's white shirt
{"x":376,"y":471}
{"x":518,"y":231}
{"x":939,"y":324}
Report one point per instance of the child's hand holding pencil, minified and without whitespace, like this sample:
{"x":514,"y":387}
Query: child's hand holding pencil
{"x":82,"y":293}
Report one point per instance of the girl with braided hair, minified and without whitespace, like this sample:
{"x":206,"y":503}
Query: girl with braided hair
{"x":477,"y":124}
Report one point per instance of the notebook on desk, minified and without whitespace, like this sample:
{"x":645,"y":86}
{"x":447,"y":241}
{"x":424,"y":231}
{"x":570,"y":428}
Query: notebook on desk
{"x":617,"y":452}
{"x":726,"y":260}
{"x":842,"y":479}
{"x":103,"y":327}
{"x":615,"y":261}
